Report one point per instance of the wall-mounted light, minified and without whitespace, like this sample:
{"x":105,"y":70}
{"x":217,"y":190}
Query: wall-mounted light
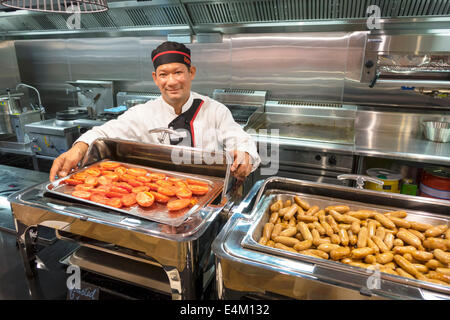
{"x":58,"y":6}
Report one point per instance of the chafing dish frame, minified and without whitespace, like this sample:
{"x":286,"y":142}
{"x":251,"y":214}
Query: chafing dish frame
{"x":270,"y":271}
{"x":183,"y":252}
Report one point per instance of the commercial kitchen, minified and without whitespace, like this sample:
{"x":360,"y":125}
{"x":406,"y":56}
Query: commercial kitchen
{"x":347,"y":102}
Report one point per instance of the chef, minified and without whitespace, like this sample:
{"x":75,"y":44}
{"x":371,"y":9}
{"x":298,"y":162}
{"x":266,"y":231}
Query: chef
{"x":195,"y":120}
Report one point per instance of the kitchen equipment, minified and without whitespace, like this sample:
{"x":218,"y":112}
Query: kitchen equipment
{"x":390,"y":178}
{"x":95,"y":95}
{"x":50,"y":138}
{"x":133,"y":102}
{"x":248,"y":270}
{"x":175,"y":261}
{"x":9,"y":105}
{"x":68,"y":117}
{"x":40,"y":106}
{"x":436,"y":131}
{"x":435,"y":183}
{"x":52,"y":6}
{"x":123,"y":96}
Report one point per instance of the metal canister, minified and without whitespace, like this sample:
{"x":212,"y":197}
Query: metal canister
{"x":390,"y":178}
{"x":435,"y":183}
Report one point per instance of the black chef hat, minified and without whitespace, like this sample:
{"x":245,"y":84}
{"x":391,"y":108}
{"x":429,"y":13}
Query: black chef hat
{"x":169,"y":52}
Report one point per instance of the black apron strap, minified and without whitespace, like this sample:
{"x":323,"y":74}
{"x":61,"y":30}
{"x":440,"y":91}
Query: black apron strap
{"x":185,"y":123}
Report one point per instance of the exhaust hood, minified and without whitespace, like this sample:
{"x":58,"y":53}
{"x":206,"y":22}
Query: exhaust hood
{"x":162,"y":17}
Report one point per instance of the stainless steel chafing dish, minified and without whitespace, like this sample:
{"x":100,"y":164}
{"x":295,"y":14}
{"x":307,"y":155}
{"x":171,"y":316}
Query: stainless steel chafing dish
{"x":245,"y":268}
{"x":175,"y":260}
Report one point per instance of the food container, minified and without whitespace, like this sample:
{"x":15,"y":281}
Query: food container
{"x":390,"y":178}
{"x":437,"y":131}
{"x":435,"y":183}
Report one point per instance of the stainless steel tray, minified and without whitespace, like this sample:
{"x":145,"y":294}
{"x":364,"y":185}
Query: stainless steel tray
{"x":157,"y":212}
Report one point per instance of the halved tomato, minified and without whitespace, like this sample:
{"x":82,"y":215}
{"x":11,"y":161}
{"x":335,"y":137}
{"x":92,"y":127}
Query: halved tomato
{"x":91,"y":180}
{"x":181,"y":184}
{"x":164,"y":183}
{"x":114,"y":194}
{"x":125,"y":177}
{"x":157,"y":176}
{"x":178,"y":204}
{"x":108,"y":165}
{"x":174,"y":180}
{"x":145,"y":199}
{"x":137,"y":172}
{"x":73,"y":182}
{"x":104,"y":180}
{"x":144,"y":179}
{"x":140,"y":189}
{"x":125,"y":186}
{"x":94,"y":172}
{"x":120,"y":170}
{"x":114,"y":202}
{"x":183,"y":193}
{"x":166,"y":191}
{"x":119,"y":189}
{"x":110,"y":175}
{"x":83,"y":187}
{"x":80,"y":175}
{"x":152,"y":186}
{"x":197,"y":182}
{"x":135,"y":183}
{"x":198,"y":190}
{"x":160,"y":197}
{"x":129,"y":199}
{"x":101,"y":190}
{"x":99,"y":198}
{"x":81,"y":194}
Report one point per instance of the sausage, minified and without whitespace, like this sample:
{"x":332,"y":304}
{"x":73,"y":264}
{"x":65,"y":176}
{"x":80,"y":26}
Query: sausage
{"x":352,"y":238}
{"x":403,"y":273}
{"x":316,"y":237}
{"x":396,"y":214}
{"x":279,"y":245}
{"x":302,"y":203}
{"x":359,"y":264}
{"x":436,"y":231}
{"x":309,"y":253}
{"x":300,"y":212}
{"x":390,"y":265}
{"x":371,"y":226}
{"x":299,"y":236}
{"x":406,"y":265}
{"x":338,"y":208}
{"x":389,"y":240}
{"x":340,"y":253}
{"x":263,"y":241}
{"x":329,"y":231}
{"x":434,"y":264}
{"x":282,"y":212}
{"x":403,"y":250}
{"x":318,"y":213}
{"x":303,"y":245}
{"x":316,"y":252}
{"x":447,"y":234}
{"x":384,"y":257}
{"x":370,"y":259}
{"x":417,"y":234}
{"x":270,"y":243}
{"x":422,"y":255}
{"x":380,"y":244}
{"x":276,"y":206}
{"x":355,"y":227}
{"x":380,"y":233}
{"x":307,"y":218}
{"x":273,"y":217}
{"x":327,"y":247}
{"x":388,"y":270}
{"x":292,"y":222}
{"x":290,"y":212}
{"x":420,"y":267}
{"x":439,"y":276}
{"x":398,"y":243}
{"x":289,"y":232}
{"x":361,"y":253}
{"x":362,"y":238}
{"x":442,"y":256}
{"x":360,"y":214}
{"x":436,"y":243}
{"x":287,"y":203}
{"x":409,"y":238}
{"x":319,"y":228}
{"x":332,"y":223}
{"x":443,"y":271}
{"x":349,"y":219}
{"x":419,"y":226}
{"x":303,"y":229}
{"x":343,"y":235}
{"x":344,"y":226}
{"x":336,"y":215}
{"x":346,"y":260}
{"x":276,"y":230}
{"x":335,"y":239}
{"x":385,"y":221}
{"x":312,"y":210}
{"x":408,"y":256}
{"x":287,"y":241}
{"x":401,"y":223}
{"x":267,"y":230}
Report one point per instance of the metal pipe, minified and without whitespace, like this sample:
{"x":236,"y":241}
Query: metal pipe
{"x":41,"y":107}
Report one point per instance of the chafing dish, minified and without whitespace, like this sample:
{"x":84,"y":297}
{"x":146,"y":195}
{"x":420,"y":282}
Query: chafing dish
{"x":181,"y":253}
{"x":245,"y":268}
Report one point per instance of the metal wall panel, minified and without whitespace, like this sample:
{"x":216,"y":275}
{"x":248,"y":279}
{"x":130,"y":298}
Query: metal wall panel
{"x":9,"y":77}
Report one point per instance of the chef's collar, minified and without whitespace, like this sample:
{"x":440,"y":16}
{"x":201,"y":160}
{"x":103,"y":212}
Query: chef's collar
{"x":184,"y":108}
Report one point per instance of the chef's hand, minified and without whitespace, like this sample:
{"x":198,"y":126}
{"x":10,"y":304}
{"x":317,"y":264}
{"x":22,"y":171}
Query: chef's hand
{"x":242,"y":165}
{"x":68,"y":160}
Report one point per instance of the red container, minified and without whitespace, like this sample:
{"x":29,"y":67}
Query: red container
{"x":435,"y":183}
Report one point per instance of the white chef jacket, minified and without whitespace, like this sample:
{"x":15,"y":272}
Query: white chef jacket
{"x":214,"y":126}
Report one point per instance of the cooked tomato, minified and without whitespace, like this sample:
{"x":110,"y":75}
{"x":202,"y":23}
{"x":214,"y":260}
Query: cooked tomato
{"x":135,"y":183}
{"x":160,"y":197}
{"x":125,"y":186}
{"x":73,"y":182}
{"x":197,"y":182}
{"x":110,"y":175}
{"x":94,"y":172}
{"x":108,"y":165}
{"x":129,"y":199}
{"x":157,"y":176}
{"x":164,"y":183}
{"x":137,"y":172}
{"x":99,"y":198}
{"x":178,"y":204}
{"x":104,"y":180}
{"x":101,"y":190}
{"x":114,"y":194}
{"x":120,"y":170}
{"x":152,"y":186}
{"x":184,"y":193}
{"x":181,"y":184}
{"x":125,"y":177}
{"x":119,"y":189}
{"x":194,"y":201}
{"x":198,"y":190}
{"x":80,"y":175}
{"x":91,"y":180}
{"x":145,"y":199}
{"x":144,"y":179}
{"x":114,"y":202}
{"x":166,"y":191}
{"x":81,"y":194}
{"x":83,"y":187}
{"x":140,"y":189}
{"x":174,"y":180}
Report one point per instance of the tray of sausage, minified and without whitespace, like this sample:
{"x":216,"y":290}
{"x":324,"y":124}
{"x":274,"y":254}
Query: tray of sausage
{"x":149,"y":193}
{"x":413,"y":245}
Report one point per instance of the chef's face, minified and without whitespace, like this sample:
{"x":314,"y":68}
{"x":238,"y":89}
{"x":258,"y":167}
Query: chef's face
{"x":174,"y":81}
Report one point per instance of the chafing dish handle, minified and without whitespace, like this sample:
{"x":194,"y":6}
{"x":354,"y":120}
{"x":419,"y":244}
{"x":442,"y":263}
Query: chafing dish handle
{"x":245,"y":203}
{"x":360,"y":179}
